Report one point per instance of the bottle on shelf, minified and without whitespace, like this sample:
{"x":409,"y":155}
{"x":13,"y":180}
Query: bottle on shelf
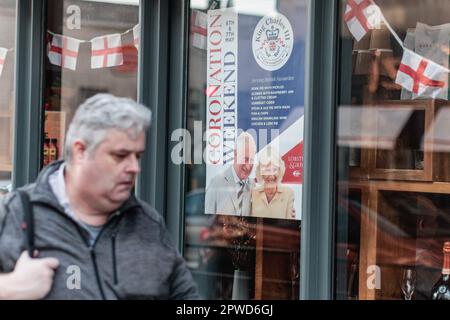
{"x":55,"y":141}
{"x":352,"y":291}
{"x":46,"y":152}
{"x":53,"y":151}
{"x":441,"y":290}
{"x":354,"y":158}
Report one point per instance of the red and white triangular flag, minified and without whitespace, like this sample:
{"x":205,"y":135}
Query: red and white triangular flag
{"x":199,"y":22}
{"x":137,"y":35}
{"x":421,"y":76}
{"x":361,"y":16}
{"x":3,"y":53}
{"x":106,"y":51}
{"x":63,"y":51}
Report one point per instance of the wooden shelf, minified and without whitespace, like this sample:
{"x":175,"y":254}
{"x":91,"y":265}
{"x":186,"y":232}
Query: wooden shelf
{"x":6,"y":167}
{"x":386,"y":207}
{"x":389,"y":148}
{"x":388,"y":195}
{"x":409,"y":186}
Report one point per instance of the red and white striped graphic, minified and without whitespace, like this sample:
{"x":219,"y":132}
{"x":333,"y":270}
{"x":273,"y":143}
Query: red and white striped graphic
{"x":3,"y":53}
{"x":137,"y":35}
{"x":290,"y":145}
{"x":63,"y":51}
{"x":199,"y":21}
{"x":106,"y":51}
{"x":361,"y":16}
{"x":421,"y":76}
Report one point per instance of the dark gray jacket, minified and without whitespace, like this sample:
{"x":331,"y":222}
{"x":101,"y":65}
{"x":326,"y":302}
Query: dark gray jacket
{"x":132,"y":257}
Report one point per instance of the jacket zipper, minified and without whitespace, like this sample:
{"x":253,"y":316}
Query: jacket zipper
{"x":113,"y":245}
{"x":92,"y":253}
{"x":113,"y":248}
{"x":97,"y":275}
{"x":92,"y":247}
{"x":94,"y":258}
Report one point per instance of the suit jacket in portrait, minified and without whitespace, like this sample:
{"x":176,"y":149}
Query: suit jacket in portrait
{"x":221,"y":195}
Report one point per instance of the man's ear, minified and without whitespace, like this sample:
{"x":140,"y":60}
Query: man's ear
{"x":79,"y":150}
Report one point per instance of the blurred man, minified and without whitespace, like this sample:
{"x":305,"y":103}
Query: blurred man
{"x":108,"y":244}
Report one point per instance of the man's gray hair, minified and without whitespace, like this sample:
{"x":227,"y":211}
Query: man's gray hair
{"x":101,"y":113}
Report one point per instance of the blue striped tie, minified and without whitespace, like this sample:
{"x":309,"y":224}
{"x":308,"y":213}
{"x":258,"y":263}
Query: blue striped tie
{"x":240,"y":195}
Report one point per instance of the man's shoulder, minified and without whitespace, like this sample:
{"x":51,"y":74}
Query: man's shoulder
{"x":150,"y":212}
{"x":223,"y":176}
{"x":11,"y":213}
{"x":10,"y":200}
{"x":4,"y":206}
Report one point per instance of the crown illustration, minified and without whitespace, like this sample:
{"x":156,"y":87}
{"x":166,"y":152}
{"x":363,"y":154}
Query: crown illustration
{"x":272,"y":33}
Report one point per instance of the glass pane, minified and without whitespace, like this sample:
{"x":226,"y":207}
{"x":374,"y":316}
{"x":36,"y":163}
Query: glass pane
{"x":244,"y":160}
{"x":7,"y":62}
{"x":393,"y":182}
{"x":91,"y":48}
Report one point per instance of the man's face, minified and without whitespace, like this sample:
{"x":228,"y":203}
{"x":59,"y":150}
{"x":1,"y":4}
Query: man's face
{"x":109,"y":173}
{"x":244,"y":159}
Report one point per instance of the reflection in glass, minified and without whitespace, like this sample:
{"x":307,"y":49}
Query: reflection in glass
{"x":7,"y":92}
{"x":393,"y":155}
{"x":92,"y":49}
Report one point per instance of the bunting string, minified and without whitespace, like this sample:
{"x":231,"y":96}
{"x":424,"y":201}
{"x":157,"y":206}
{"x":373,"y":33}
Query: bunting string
{"x":106,"y":50}
{"x":416,"y":73}
{"x":391,"y":30}
{"x":86,"y":41}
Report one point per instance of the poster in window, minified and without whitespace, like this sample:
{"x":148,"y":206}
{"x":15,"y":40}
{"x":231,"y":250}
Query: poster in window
{"x":254,"y":112}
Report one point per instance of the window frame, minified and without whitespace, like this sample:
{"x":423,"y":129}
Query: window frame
{"x":317,"y":240}
{"x":28,"y":128}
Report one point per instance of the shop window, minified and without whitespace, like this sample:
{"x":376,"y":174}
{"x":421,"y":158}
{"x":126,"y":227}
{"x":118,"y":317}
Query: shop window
{"x":91,"y":47}
{"x":8,"y":19}
{"x":393,"y":142}
{"x":244,"y":162}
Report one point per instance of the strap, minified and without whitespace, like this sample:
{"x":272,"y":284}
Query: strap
{"x":28,"y":222}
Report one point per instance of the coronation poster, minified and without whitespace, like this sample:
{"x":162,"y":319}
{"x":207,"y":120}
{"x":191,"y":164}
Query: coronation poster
{"x":254,"y":112}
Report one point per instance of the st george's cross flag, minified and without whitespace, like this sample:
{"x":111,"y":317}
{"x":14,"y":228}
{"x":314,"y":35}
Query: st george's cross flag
{"x":421,"y":76}
{"x":199,"y":22}
{"x":136,"y":35}
{"x":361,"y":16}
{"x":106,"y":51}
{"x":63,"y":51}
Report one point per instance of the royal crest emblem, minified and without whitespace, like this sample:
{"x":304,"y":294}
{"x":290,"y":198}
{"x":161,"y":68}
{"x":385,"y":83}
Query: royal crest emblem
{"x":273,"y":41}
